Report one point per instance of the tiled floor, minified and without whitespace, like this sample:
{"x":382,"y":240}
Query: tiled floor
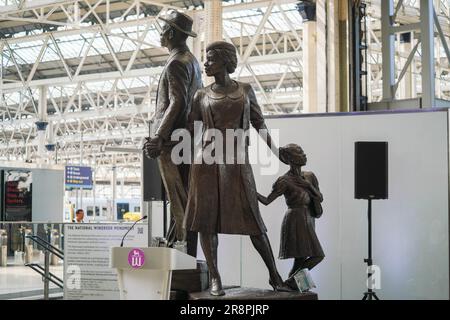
{"x":18,"y":280}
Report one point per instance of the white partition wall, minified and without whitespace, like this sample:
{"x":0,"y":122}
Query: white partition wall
{"x":410,"y":229}
{"x":48,"y":195}
{"x":48,"y":190}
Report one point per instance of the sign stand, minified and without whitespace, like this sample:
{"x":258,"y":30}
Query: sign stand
{"x":146,"y":273}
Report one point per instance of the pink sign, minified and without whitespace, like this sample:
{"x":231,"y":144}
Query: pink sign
{"x":136,"y":258}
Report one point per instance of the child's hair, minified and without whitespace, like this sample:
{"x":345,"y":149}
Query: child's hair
{"x":292,"y":150}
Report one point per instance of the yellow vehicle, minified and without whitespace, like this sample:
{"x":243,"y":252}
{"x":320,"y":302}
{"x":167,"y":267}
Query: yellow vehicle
{"x":132,"y":216}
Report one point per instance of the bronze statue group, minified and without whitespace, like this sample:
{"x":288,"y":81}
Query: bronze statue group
{"x":212,"y":198}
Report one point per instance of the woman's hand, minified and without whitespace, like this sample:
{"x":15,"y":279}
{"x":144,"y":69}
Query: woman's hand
{"x":312,"y":190}
{"x":304,"y":183}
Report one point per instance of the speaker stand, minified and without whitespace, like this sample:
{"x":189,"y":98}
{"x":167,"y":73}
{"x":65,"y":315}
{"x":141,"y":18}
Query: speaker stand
{"x":370,"y":294}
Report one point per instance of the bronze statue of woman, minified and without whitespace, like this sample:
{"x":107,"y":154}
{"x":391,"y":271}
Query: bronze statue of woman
{"x":303,"y":198}
{"x":222,"y":196}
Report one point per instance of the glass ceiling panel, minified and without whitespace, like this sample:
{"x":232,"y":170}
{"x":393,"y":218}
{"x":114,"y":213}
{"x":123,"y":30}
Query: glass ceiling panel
{"x":73,"y":46}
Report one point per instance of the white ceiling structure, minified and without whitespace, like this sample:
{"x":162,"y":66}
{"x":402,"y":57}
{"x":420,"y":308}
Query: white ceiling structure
{"x":90,"y":69}
{"x":98,"y":63}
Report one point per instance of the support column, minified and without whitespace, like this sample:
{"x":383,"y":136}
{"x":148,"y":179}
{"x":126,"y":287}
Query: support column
{"x":142,"y":203}
{"x":412,"y":75}
{"x":41,"y":125}
{"x":343,"y":56}
{"x":427,"y":36}
{"x":406,"y":87}
{"x":80,"y":129}
{"x":438,"y":92}
{"x":195,"y":44}
{"x":321,"y":63}
{"x":2,"y":102}
{"x":94,"y":177}
{"x":309,"y":68}
{"x":114,"y":188}
{"x":387,"y":40}
{"x":213,"y":11}
{"x":51,"y":146}
{"x":369,"y":41}
{"x":333,"y":39}
{"x":213,"y":26}
{"x":315,"y":62}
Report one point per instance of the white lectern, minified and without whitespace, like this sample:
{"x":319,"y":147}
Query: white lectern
{"x":148,"y":278}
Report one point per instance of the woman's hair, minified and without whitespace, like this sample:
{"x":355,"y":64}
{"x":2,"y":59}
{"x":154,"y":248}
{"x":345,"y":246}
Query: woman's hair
{"x":227,"y":51}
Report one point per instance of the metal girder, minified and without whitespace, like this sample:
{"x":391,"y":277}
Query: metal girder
{"x":38,"y":4}
{"x":388,"y":66}
{"x":105,"y":135}
{"x":255,"y":38}
{"x":426,"y":63}
{"x":100,"y":112}
{"x":95,"y":77}
{"x":135,"y":73}
{"x":405,"y":68}
{"x":427,"y":36}
{"x":441,"y":35}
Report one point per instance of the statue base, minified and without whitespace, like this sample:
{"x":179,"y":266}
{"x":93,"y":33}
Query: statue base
{"x":191,"y":280}
{"x":193,"y":285}
{"x":239,"y":293}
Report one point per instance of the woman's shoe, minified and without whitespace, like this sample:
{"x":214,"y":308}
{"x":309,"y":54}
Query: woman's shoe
{"x":215,"y":289}
{"x":290,"y":282}
{"x":280,"y":286}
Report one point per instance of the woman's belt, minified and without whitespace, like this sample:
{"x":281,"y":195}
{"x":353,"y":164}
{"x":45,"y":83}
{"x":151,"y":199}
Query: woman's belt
{"x":299,"y":207}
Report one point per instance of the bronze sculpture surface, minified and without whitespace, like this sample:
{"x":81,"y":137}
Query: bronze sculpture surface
{"x":222,"y":197}
{"x":303,"y":198}
{"x":180,"y":79}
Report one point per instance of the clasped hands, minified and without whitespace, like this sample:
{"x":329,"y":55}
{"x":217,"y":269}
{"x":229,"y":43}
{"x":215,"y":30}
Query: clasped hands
{"x":153,"y":146}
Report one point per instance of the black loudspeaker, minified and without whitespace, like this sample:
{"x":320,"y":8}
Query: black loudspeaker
{"x":307,"y":10}
{"x":371,"y":170}
{"x":153,"y":185}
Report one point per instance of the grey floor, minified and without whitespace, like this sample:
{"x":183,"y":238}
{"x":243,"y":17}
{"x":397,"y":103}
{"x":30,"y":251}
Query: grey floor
{"x":20,"y":282}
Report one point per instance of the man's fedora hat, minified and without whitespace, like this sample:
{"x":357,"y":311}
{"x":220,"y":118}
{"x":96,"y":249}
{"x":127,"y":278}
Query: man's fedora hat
{"x":181,"y":22}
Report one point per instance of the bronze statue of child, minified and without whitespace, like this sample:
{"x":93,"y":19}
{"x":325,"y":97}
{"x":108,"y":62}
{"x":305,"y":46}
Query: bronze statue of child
{"x":303,"y":198}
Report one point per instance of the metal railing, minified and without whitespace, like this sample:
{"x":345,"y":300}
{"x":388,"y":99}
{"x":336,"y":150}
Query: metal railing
{"x":45,"y":271}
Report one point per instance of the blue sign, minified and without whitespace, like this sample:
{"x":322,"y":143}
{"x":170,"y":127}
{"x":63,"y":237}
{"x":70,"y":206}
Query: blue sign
{"x":78,"y":177}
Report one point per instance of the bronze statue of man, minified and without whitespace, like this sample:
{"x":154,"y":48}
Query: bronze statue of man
{"x":180,"y":79}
